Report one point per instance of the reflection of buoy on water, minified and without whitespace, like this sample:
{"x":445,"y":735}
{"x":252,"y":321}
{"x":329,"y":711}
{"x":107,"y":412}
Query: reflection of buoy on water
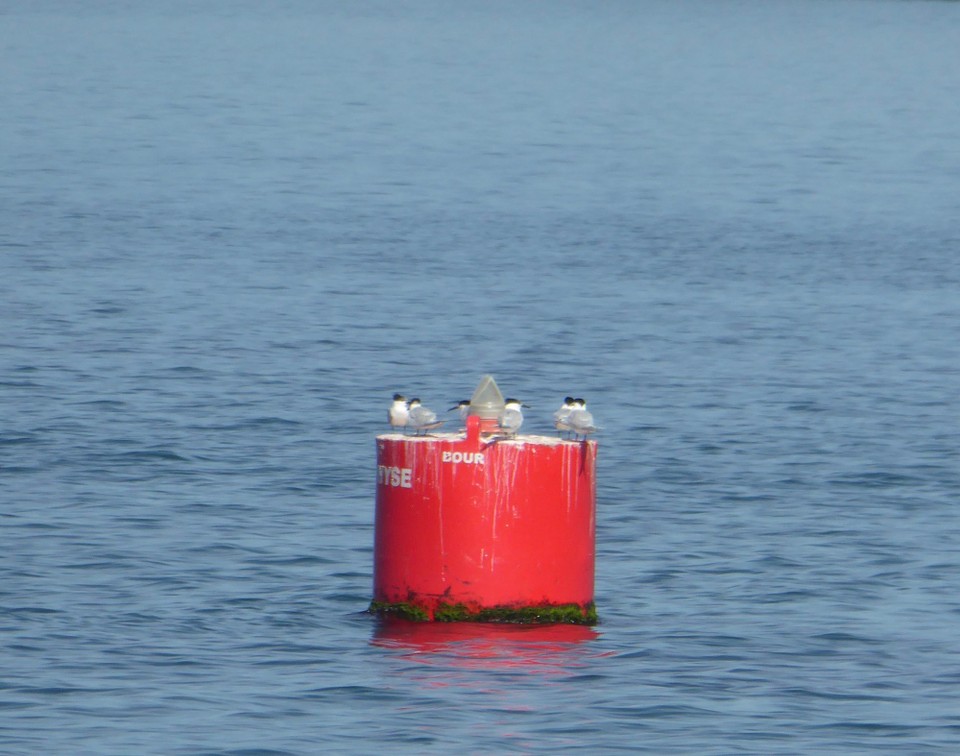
{"x":540,"y":649}
{"x":478,"y":526}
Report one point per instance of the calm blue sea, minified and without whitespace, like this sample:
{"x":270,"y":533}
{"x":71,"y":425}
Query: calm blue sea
{"x":229,"y":231}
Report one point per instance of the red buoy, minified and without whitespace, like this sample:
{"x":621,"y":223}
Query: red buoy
{"x":476,"y":526}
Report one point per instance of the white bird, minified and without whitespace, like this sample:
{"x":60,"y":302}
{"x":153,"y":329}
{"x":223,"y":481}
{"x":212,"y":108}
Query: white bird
{"x":399,"y":412}
{"x":580,"y":420}
{"x":463,"y":406}
{"x":511,"y":417}
{"x":421,"y":418}
{"x":561,"y":415}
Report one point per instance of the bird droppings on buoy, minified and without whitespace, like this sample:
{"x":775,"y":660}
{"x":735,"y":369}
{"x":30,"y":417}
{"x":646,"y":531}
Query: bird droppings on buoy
{"x":487,"y":524}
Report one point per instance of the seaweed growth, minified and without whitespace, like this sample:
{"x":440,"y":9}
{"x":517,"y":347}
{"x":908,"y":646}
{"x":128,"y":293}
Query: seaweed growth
{"x":570,"y":614}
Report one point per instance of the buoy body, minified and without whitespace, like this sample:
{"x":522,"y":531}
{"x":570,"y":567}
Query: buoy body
{"x":479,"y":527}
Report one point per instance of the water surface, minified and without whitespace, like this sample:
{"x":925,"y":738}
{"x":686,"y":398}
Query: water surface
{"x":229,"y":233}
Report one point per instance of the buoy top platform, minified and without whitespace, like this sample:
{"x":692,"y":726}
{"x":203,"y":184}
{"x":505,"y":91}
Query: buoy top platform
{"x":480,"y":526}
{"x":520,"y":438}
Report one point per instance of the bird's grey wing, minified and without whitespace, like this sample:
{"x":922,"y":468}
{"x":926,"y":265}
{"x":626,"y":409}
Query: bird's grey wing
{"x":422,"y":416}
{"x":511,"y":420}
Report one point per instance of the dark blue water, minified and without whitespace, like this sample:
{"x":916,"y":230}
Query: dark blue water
{"x":230,"y":231}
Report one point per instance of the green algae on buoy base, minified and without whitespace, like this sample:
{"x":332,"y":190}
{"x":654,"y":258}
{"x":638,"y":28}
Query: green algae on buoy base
{"x":547,"y":614}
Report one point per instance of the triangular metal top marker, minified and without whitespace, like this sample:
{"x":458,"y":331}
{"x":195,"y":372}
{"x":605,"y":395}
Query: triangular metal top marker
{"x":487,"y":401}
